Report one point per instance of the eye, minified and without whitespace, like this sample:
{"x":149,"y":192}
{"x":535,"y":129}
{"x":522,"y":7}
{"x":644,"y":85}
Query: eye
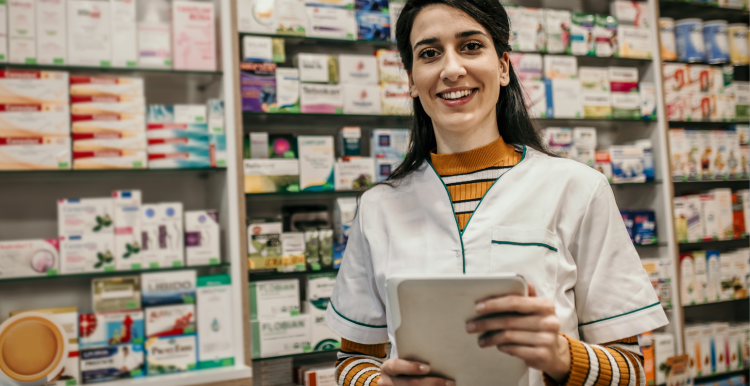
{"x":428,"y":54}
{"x":473,"y":46}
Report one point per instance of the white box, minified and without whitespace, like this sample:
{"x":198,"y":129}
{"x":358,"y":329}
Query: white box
{"x":560,"y":67}
{"x":706,"y":350}
{"x":257,"y":49}
{"x":527,"y":66}
{"x":633,"y":13}
{"x":170,"y":320}
{"x":274,"y":298}
{"x":35,"y":154}
{"x":634,"y":42}
{"x":628,"y":164}
{"x":127,"y":224}
{"x":215,"y":334}
{"x":320,"y":286}
{"x":731,"y":274}
{"x":96,"y":362}
{"x":701,"y":277}
{"x":3,"y":33}
{"x":720,"y":155}
{"x":354,"y":173}
{"x":125,"y":159}
{"x":555,"y":21}
{"x":713,"y":273}
{"x":34,"y":87}
{"x":362,"y":99}
{"x":331,"y":22}
{"x":647,"y":92}
{"x":536,"y":98}
{"x":321,"y":336}
{"x":171,"y":354}
{"x":678,"y":154}
{"x":313,"y":68}
{"x":216,"y":116}
{"x":89,"y":33}
{"x":695,"y":218}
{"x":664,"y":347}
{"x":736,"y":340}
{"x":26,"y":258}
{"x":22,"y":31}
{"x":51,"y":32}
{"x":688,"y":290}
{"x":594,"y":79}
{"x":390,"y":67}
{"x":290,"y":17}
{"x":256,"y":16}
{"x":150,"y":235}
{"x":87,"y":253}
{"x":281,"y":336}
{"x":258,"y":145}
{"x":321,"y":376}
{"x":695,"y":150}
{"x":358,"y":69}
{"x":321,"y":99}
{"x":721,"y":340}
{"x":317,"y":160}
{"x":163,"y":288}
{"x":202,"y":243}
{"x":154,"y":33}
{"x":395,"y":99}
{"x":194,"y":35}
{"x":287,"y":89}
{"x":77,"y":217}
{"x":563,"y":98}
{"x":692,"y":348}
{"x":105,"y":86}
{"x":162,"y":235}
{"x":725,"y":220}
{"x":124,"y":34}
{"x":709,"y":216}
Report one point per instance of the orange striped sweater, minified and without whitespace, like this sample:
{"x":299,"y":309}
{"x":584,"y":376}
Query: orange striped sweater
{"x":468,"y":176}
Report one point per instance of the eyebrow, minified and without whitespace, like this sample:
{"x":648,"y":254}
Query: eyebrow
{"x":459,"y":35}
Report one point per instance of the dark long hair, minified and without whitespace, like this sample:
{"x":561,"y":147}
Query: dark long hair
{"x":513,"y":120}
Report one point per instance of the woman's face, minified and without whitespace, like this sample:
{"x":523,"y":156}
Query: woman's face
{"x":456,"y":71}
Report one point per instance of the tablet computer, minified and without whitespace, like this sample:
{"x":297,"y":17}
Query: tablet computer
{"x":429,"y":315}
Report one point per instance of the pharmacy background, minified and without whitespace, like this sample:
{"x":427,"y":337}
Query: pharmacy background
{"x":178,"y":177}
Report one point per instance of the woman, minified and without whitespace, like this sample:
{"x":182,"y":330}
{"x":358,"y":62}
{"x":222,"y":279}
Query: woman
{"x":467,"y":201}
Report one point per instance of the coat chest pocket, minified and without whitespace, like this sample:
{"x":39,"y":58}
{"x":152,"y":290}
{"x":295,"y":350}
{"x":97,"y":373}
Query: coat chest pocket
{"x":531,"y":253}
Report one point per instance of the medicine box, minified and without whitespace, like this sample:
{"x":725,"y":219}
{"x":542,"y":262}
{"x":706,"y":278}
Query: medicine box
{"x":290,"y":17}
{"x":162,"y":235}
{"x":87,"y":253}
{"x":271,"y":175}
{"x":292,"y":252}
{"x":331,"y":22}
{"x":358,"y":69}
{"x":664,"y":348}
{"x":390,"y":67}
{"x":104,"y":329}
{"x":373,"y":25}
{"x":362,"y":99}
{"x":713,"y":273}
{"x":34,"y":87}
{"x":124,"y":34}
{"x":634,"y":42}
{"x":258,"y":86}
{"x":89,"y":33}
{"x":313,"y":68}
{"x":281,"y":336}
{"x":22,"y":32}
{"x":25,"y":258}
{"x":389,"y":143}
{"x":256,"y":16}
{"x":316,"y":157}
{"x":78,"y":216}
{"x":688,"y":290}
{"x":171,"y":354}
{"x":623,"y":79}
{"x":3,"y":33}
{"x":194,"y":35}
{"x":171,"y":320}
{"x":321,"y":336}
{"x":111,"y":363}
{"x":105,"y":86}
{"x":274,"y":298}
{"x":153,"y":18}
{"x":701,"y":276}
{"x":321,"y":99}
{"x":287,"y":90}
{"x":215,"y":335}
{"x":349,"y":141}
{"x":202,"y":243}
{"x":322,"y":376}
{"x":127,"y":226}
{"x":395,"y":99}
{"x":560,"y":67}
{"x":648,"y":100}
{"x":536,"y":98}
{"x":168,"y":288}
{"x":582,"y":41}
{"x":563,"y":98}
{"x":354,"y":173}
{"x":51,"y":39}
{"x":320,"y":286}
{"x":556,"y":26}
{"x":527,"y":66}
{"x":116,"y":293}
{"x":344,"y":211}
{"x":725,"y":220}
{"x":627,"y":164}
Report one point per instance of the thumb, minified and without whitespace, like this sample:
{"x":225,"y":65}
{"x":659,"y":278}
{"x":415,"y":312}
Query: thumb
{"x":532,"y":291}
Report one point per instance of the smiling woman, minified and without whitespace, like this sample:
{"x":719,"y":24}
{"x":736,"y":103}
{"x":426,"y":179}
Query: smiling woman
{"x":446,"y":211}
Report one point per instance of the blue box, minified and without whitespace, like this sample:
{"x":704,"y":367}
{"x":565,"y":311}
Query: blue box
{"x":627,"y":218}
{"x":371,"y":5}
{"x":644,"y":227}
{"x":374,"y":25}
{"x":104,"y":329}
{"x":111,"y":363}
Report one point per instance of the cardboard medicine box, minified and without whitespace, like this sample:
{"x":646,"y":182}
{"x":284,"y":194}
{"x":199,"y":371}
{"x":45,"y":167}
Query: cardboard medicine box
{"x":116,"y":293}
{"x":202,"y":243}
{"x":274,"y":298}
{"x":215,"y":337}
{"x":26,"y":258}
{"x":281,"y":336}
{"x":177,"y":319}
{"x":111,"y":363}
{"x":87,"y":253}
{"x":104,"y":329}
{"x":164,"y":288}
{"x":171,"y":354}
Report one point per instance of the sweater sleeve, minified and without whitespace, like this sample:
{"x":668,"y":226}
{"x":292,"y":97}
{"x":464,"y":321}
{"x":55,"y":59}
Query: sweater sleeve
{"x":617,"y":363}
{"x":359,"y":364}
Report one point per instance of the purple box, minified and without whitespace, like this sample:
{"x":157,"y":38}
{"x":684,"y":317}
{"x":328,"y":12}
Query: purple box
{"x":258,"y":86}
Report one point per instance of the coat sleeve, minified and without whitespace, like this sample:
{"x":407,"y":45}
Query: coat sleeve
{"x":613,"y":295}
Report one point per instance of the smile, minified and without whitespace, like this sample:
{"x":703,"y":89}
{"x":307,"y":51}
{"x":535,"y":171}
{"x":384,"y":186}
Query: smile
{"x":457,"y":95}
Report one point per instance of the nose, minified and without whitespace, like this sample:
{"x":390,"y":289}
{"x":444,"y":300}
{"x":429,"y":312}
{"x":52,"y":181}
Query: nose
{"x":453,"y":68}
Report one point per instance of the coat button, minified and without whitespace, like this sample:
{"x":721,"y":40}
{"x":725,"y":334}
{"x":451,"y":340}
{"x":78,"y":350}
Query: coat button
{"x":458,"y":254}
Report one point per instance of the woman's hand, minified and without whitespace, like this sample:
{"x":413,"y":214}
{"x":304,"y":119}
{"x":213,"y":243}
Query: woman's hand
{"x":400,"y":372}
{"x":530,"y":332}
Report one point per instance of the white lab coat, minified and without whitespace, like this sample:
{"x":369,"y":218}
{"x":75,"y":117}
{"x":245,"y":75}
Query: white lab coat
{"x":574,"y":249}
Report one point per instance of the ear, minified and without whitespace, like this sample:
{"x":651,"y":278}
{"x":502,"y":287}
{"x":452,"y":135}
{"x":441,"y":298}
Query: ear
{"x":504,"y":70}
{"x":412,"y":87}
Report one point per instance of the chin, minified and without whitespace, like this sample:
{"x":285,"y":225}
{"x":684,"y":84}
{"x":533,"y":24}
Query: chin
{"x":457,"y":121}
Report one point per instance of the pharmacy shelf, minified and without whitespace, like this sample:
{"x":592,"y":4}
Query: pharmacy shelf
{"x":256,"y":275}
{"x":705,"y":124}
{"x":723,"y":245}
{"x":307,"y":354}
{"x":704,"y":10}
{"x":249,"y":114}
{"x":732,"y":303}
{"x":707,"y":64}
{"x":717,"y":377}
{"x":162,"y":71}
{"x":7,"y":176}
{"x":91,"y":275}
{"x":308,"y":40}
{"x":211,"y":376}
{"x":654,"y":182}
{"x":331,"y":194}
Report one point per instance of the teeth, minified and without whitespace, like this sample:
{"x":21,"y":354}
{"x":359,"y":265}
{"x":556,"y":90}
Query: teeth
{"x":455,"y":94}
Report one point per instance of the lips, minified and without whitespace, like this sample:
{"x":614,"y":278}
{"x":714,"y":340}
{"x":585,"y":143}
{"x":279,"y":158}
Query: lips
{"x":456,"y":95}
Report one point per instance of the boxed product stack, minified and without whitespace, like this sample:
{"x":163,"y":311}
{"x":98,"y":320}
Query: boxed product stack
{"x":319,"y":292}
{"x":716,"y":348}
{"x":528,"y":25}
{"x":394,"y":88}
{"x":660,"y":273}
{"x":34,"y":120}
{"x":87,"y":235}
{"x":194,"y":35}
{"x":563,"y":88}
{"x":626,"y":101}
{"x":316,"y":162}
{"x":178,"y":137}
{"x":712,"y":276}
{"x":277,"y":326}
{"x":352,"y":171}
{"x":358,"y":75}
{"x":320,"y":375}
{"x":320,"y":91}
{"x":641,"y":226}
{"x":27,"y":258}
{"x":595,"y":92}
{"x":704,"y":155}
{"x":633,"y":33}
{"x":388,"y":147}
{"x":108,"y":122}
{"x":126,"y":221}
{"x":695,"y":92}
{"x":718,"y":214}
{"x":557,"y":26}
{"x":162,"y":235}
{"x":326,"y":19}
{"x":273,"y":372}
{"x":373,"y":20}
{"x":170,"y":318}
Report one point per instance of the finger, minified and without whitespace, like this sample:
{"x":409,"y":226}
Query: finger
{"x":535,"y":357}
{"x":515,"y":337}
{"x":396,"y":367}
{"x":519,"y":304}
{"x":532,"y":290}
{"x":422,"y":381}
{"x":532,"y":322}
